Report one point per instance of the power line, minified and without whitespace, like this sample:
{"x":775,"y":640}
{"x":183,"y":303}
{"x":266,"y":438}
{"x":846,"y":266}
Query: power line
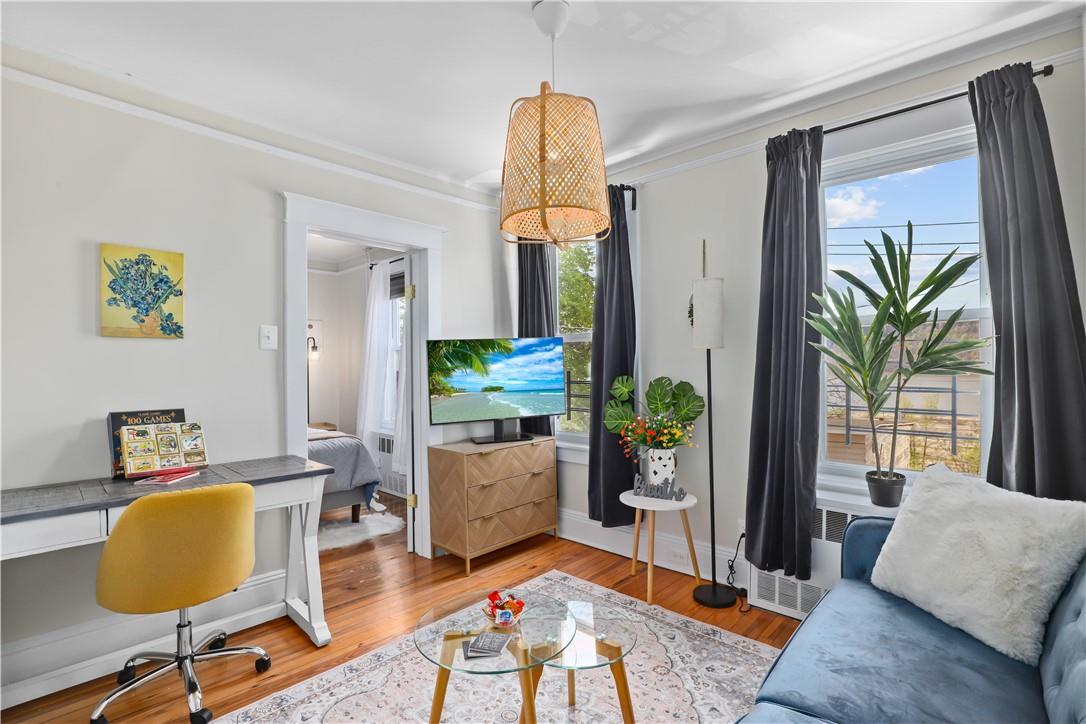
{"x":903,"y":226}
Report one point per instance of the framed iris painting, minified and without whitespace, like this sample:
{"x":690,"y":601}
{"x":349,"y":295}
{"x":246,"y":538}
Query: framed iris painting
{"x":142,"y":292}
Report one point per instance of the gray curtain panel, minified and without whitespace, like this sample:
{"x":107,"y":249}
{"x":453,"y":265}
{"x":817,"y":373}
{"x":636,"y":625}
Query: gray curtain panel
{"x":1039,"y":430}
{"x":784,"y":421}
{"x":614,"y":342}
{"x":535,"y":309}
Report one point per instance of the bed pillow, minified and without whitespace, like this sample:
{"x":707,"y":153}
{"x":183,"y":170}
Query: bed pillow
{"x":986,"y":560}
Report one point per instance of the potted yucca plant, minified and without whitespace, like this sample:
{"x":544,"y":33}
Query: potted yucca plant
{"x":861,"y":358}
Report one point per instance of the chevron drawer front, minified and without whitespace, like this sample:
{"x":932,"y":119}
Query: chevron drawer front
{"x":483,"y":497}
{"x":529,"y":457}
{"x":499,"y":529}
{"x":501,"y":495}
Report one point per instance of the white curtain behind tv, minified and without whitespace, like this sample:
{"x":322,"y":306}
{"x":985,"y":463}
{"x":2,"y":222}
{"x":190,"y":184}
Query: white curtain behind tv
{"x":374,"y":381}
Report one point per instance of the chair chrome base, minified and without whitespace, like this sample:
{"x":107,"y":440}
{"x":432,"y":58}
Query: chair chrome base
{"x":183,"y":660}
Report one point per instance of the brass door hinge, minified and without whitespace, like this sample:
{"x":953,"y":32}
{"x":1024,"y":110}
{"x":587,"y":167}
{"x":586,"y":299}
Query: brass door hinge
{"x":412,"y":501}
{"x":409,"y":291}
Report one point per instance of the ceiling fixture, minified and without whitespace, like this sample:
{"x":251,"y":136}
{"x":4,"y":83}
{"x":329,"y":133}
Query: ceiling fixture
{"x":554,"y":182}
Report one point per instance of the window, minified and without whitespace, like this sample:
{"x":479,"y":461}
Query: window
{"x":397,"y":314}
{"x":576,"y":307}
{"x":941,"y":418}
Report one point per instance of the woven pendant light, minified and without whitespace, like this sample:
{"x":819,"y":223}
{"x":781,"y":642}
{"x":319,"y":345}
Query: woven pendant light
{"x":554,"y":181}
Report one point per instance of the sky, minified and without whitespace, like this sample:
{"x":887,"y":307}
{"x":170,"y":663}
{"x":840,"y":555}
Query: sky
{"x":938,"y":194}
{"x":535,"y":364}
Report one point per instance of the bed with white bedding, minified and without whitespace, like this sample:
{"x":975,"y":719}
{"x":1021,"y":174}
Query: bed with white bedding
{"x":356,"y":474}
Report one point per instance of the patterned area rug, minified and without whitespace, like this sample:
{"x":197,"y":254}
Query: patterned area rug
{"x":681,"y":670}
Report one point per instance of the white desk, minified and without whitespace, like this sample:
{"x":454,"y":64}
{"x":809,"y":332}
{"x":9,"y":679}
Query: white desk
{"x":45,"y":518}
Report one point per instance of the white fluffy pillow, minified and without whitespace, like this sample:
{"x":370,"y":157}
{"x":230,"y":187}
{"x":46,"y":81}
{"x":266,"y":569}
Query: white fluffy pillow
{"x":986,"y":560}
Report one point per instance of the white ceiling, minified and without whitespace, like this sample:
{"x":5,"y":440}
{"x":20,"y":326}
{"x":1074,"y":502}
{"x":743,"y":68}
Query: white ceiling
{"x":428,"y":85}
{"x":326,"y":250}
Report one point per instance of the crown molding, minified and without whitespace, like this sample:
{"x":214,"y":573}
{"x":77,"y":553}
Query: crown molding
{"x":1061,"y":18}
{"x":70,"y":91}
{"x":1059,"y":59}
{"x":289,"y":131}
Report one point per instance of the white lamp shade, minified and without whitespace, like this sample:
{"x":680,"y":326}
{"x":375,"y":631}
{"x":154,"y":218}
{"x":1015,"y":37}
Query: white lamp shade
{"x":708,"y":327}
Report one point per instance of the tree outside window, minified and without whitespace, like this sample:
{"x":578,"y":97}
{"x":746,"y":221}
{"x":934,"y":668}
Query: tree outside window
{"x":576,"y":308}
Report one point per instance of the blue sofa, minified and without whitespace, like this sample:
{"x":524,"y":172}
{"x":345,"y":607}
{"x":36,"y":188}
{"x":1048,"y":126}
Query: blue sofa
{"x":863,"y":655}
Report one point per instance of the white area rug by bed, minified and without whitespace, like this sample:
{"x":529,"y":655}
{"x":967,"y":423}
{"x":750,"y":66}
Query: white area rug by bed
{"x":342,"y":533}
{"x":681,"y":670}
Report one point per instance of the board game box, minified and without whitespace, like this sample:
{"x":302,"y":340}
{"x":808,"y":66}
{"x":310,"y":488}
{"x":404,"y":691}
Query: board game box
{"x":162,"y":447}
{"x":117,"y":420}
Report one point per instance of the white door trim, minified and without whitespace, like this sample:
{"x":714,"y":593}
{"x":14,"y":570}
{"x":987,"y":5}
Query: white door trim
{"x":423,"y":242}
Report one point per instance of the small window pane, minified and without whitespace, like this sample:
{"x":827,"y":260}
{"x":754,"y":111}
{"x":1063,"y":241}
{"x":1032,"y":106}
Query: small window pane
{"x":576,"y":288}
{"x":579,"y":366}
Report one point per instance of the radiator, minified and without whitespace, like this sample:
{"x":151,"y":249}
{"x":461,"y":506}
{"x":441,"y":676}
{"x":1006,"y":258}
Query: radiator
{"x":392,"y":483}
{"x":792,"y":597}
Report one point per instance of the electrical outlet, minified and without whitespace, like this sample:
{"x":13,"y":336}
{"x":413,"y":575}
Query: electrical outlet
{"x":741,"y":525}
{"x":679,"y":557}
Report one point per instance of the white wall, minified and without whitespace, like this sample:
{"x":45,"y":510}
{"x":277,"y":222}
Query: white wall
{"x":353,"y":288}
{"x":722,"y":201}
{"x":324,"y":372}
{"x":76,"y":173}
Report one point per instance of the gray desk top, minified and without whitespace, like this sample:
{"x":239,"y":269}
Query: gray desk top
{"x":44,"y":501}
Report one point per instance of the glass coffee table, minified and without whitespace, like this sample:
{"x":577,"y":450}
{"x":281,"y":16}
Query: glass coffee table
{"x":569,"y":635}
{"x":543,"y":632}
{"x":603,"y":636}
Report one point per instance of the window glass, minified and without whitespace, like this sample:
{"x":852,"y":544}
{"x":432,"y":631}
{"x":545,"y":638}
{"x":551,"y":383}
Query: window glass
{"x":940,"y":415}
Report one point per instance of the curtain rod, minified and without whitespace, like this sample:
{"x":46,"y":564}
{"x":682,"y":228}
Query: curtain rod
{"x":633,"y":201}
{"x":1045,"y":71}
{"x":390,"y":261}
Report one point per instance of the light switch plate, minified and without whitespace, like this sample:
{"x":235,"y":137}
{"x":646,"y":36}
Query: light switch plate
{"x":269,"y":337}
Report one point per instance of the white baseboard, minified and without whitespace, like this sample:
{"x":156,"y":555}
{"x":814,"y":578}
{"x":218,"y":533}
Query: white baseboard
{"x":39,"y":665}
{"x":670,"y":550}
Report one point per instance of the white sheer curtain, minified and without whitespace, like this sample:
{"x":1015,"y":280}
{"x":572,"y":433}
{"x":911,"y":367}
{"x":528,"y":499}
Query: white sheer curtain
{"x":401,"y":441}
{"x":373,"y":382}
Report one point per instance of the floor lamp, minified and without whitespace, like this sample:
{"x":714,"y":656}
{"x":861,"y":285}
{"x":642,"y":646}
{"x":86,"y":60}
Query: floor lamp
{"x":708,"y":334}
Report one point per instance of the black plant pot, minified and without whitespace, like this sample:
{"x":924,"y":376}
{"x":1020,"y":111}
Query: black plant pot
{"x":885,"y":492}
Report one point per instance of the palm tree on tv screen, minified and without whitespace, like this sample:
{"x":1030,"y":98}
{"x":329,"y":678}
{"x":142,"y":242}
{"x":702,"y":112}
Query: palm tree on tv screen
{"x":449,"y":356}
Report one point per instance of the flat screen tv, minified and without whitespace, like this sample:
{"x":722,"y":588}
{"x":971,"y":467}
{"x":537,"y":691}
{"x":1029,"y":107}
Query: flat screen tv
{"x":482,"y":380}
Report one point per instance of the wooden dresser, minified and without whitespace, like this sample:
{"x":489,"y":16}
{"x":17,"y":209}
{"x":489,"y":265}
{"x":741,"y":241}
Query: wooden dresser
{"x":484,"y":497}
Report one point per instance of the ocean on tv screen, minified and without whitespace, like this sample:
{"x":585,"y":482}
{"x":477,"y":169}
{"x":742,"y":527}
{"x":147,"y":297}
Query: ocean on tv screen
{"x":491,"y":379}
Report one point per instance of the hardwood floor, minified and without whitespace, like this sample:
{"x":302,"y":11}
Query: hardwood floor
{"x":374,"y":593}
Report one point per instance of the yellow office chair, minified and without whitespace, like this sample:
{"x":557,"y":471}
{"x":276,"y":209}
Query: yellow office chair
{"x":171,"y":551}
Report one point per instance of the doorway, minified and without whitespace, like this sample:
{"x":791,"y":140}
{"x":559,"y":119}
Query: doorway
{"x":416,"y":247}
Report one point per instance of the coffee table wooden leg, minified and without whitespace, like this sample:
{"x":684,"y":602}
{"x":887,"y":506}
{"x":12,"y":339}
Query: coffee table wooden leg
{"x":529,"y":678}
{"x":690,"y":546}
{"x":618,"y":671}
{"x":637,"y":539}
{"x":528,"y":695}
{"x":571,"y":687}
{"x":652,"y":543}
{"x":448,"y":652}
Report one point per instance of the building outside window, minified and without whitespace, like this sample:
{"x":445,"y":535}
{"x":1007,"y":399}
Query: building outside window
{"x":942,"y":419}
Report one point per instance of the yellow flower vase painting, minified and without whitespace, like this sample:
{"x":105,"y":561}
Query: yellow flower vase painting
{"x":142,"y":292}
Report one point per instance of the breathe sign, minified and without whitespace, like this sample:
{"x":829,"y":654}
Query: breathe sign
{"x":667,"y":490}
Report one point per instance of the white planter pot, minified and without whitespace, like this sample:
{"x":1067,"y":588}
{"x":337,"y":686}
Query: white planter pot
{"x":661,"y":465}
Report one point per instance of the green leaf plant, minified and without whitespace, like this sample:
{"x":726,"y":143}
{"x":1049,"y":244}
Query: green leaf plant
{"x":861,"y":358}
{"x":665,"y":419}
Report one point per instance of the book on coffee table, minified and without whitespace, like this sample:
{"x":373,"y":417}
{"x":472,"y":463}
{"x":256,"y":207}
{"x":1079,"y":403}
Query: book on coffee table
{"x":488,"y":643}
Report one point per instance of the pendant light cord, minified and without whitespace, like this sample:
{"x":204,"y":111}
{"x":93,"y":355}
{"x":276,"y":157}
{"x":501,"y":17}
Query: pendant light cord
{"x":554,"y":62}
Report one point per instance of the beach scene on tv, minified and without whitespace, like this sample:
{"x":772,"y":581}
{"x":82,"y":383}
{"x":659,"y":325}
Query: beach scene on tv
{"x":495,"y":379}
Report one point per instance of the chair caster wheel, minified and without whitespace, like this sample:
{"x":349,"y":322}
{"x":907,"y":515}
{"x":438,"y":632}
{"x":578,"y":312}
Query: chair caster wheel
{"x":126,"y":674}
{"x":200,"y":717}
{"x":100,"y":720}
{"x":263,"y":664}
{"x":219,"y":643}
